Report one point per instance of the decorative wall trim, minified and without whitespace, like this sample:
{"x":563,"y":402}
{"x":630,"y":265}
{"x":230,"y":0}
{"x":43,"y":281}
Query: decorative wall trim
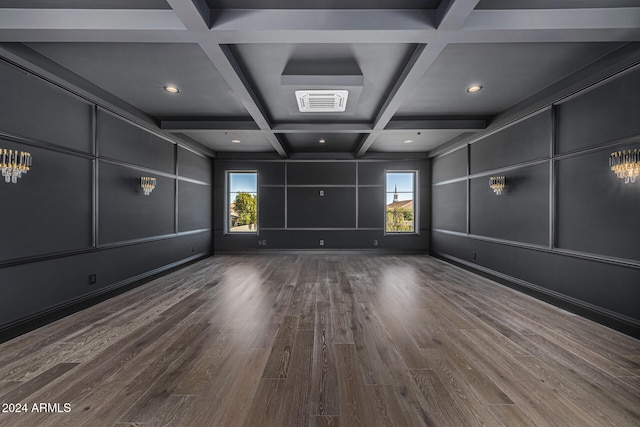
{"x":25,"y":324}
{"x":320,"y":252}
{"x":609,"y":318}
{"x":46,"y":257}
{"x":151,"y":239}
{"x":497,"y":171}
{"x":558,"y":251}
{"x":45,"y":145}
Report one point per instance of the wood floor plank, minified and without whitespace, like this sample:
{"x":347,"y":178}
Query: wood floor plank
{"x":356,"y":402}
{"x":326,"y":421}
{"x":295,"y":409}
{"x":549,"y":404}
{"x":173,"y":410}
{"x":454,"y":353}
{"x":324,"y":388}
{"x":89,"y":379}
{"x":467,"y":395}
{"x":266,"y":403}
{"x":280,"y":357}
{"x":511,"y":415}
{"x":323,"y":340}
{"x":235,"y":406}
{"x":590,"y":403}
{"x":443,"y":410}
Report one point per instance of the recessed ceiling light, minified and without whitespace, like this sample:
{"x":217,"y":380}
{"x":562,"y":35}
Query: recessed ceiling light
{"x":322,"y":141}
{"x":171,"y":89}
{"x":235,"y":141}
{"x":474,"y":89}
{"x":408,"y":141}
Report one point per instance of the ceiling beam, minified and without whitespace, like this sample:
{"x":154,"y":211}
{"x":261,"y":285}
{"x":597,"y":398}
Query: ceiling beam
{"x":471,"y":124}
{"x":194,"y":14}
{"x":84,"y":19}
{"x":329,"y":127}
{"x":451,"y":14}
{"x":326,"y":20}
{"x":389,"y":26}
{"x":183,"y":125}
{"x":232,"y":73}
{"x":550,"y":19}
{"x":414,"y":70}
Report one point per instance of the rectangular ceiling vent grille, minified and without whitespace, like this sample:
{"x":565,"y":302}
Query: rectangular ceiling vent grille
{"x":322,"y":101}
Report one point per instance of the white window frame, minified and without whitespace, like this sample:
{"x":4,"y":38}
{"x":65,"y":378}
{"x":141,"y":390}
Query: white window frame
{"x":416,"y":204}
{"x":227,"y":202}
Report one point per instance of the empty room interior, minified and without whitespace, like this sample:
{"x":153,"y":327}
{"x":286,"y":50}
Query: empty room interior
{"x":320,"y":213}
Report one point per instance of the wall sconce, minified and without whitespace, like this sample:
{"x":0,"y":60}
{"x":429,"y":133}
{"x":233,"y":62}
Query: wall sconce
{"x":625,"y":164}
{"x":14,"y":163}
{"x":496,"y":183}
{"x":148,"y":184}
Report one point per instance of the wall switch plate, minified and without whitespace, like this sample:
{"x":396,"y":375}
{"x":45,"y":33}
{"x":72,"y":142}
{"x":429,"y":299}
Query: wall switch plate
{"x":321,"y":242}
{"x":375,"y":243}
{"x":93,"y":278}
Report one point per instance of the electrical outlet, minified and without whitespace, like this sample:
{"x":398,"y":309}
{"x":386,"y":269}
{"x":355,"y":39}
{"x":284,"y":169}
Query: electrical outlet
{"x":375,"y":243}
{"x":321,"y":193}
{"x":264,"y":243}
{"x":93,"y":279}
{"x":321,"y":242}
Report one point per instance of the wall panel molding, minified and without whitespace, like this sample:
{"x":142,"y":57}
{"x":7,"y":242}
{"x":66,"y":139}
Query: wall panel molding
{"x":83,"y":213}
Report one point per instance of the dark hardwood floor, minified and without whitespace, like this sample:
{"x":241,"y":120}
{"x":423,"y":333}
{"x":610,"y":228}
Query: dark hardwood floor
{"x":334,"y":340}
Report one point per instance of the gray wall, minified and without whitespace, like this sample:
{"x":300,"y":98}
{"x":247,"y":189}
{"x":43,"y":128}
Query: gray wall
{"x":565,"y":227}
{"x":80,"y":210}
{"x":292,"y":215}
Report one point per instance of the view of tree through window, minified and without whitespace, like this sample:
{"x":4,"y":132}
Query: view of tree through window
{"x":400,"y":198}
{"x":243,"y":202}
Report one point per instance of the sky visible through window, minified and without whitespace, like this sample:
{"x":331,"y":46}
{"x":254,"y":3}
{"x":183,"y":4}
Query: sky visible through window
{"x":243,"y":182}
{"x":404,"y":181}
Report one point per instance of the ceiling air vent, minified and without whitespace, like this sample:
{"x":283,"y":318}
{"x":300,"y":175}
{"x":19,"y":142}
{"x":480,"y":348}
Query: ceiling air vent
{"x":322,"y":101}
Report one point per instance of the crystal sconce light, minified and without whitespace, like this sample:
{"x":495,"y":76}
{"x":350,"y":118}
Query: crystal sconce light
{"x":625,"y":164}
{"x":496,"y":183}
{"x":147,"y":184}
{"x":14,"y":164}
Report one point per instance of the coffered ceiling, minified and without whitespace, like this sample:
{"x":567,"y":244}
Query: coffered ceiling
{"x":407,"y":64}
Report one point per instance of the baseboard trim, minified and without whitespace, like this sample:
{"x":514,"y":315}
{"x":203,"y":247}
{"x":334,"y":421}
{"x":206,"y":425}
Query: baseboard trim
{"x":619,"y":322}
{"x":322,"y":252}
{"x":23,"y":325}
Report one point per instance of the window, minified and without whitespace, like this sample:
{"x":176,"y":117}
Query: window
{"x":242,"y":202}
{"x":400,"y":206}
